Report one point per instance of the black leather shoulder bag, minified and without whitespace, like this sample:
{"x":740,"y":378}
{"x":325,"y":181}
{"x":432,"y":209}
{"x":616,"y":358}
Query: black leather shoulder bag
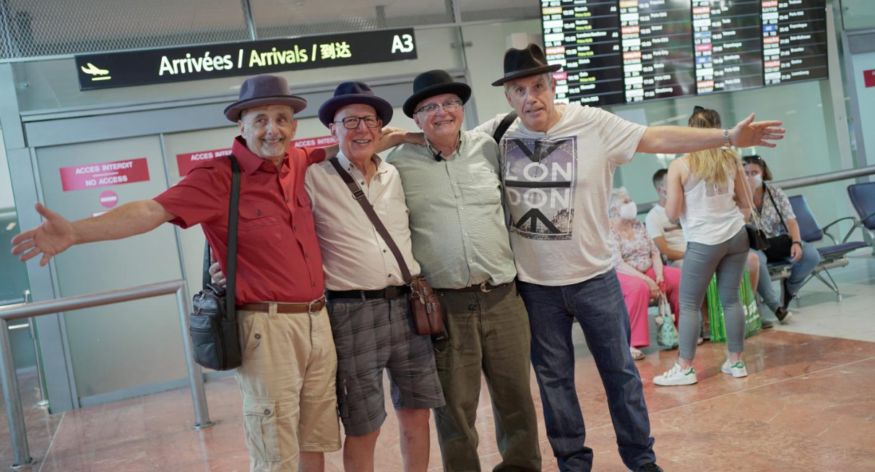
{"x":213,"y":323}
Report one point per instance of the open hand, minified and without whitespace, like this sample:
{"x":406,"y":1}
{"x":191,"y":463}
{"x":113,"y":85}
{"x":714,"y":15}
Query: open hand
{"x":51,"y":238}
{"x":748,"y":134}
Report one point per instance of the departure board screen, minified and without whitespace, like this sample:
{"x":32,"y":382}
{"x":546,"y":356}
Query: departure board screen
{"x":584,"y":37}
{"x":657,"y":49}
{"x":626,"y":51}
{"x":728,"y":45}
{"x":794,"y":40}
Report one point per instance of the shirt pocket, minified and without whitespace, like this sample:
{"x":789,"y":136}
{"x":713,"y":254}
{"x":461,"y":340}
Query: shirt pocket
{"x":482,"y":188}
{"x":257,"y":216}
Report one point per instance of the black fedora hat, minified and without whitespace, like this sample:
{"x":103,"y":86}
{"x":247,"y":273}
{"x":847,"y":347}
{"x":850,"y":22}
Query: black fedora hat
{"x":519,"y":63}
{"x":264,"y":90}
{"x":349,"y":93}
{"x":431,"y":83}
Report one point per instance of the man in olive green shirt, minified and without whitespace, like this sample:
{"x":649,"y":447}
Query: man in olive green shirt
{"x":460,"y":239}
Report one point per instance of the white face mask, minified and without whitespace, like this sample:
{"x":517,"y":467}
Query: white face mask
{"x":629,"y":211}
{"x":757,"y":180}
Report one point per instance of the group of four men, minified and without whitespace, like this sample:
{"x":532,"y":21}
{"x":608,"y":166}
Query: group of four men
{"x":511,"y":234}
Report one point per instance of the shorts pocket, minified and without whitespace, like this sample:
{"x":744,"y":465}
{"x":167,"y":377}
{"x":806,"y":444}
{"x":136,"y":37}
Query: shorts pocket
{"x":259,"y":420}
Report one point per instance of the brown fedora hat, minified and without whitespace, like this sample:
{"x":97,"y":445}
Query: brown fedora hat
{"x":264,"y":90}
{"x":519,"y":63}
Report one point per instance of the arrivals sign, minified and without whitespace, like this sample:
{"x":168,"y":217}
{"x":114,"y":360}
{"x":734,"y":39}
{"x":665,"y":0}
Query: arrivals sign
{"x":104,"y":174}
{"x":158,"y":66}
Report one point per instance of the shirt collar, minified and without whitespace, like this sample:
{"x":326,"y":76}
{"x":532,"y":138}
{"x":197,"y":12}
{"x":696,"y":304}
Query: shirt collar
{"x":458,"y":149}
{"x":347,"y":164}
{"x":249,"y":162}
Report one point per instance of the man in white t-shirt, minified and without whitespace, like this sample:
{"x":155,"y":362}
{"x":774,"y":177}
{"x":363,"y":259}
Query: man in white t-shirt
{"x":558,"y":163}
{"x":666,"y":234}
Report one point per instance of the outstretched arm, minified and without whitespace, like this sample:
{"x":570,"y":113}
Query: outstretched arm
{"x":679,"y":139}
{"x":56,"y":234}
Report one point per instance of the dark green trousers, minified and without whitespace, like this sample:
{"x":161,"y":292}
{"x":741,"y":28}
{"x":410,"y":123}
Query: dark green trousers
{"x":488,"y":333}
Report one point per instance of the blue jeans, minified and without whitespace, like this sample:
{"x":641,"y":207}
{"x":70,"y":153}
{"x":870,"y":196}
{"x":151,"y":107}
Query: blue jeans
{"x":798,"y":274}
{"x":598,"y":306}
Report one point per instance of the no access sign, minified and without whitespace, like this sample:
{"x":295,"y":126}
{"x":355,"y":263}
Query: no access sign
{"x":104,"y":174}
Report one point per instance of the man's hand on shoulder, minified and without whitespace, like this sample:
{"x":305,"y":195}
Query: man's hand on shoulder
{"x":392,"y":137}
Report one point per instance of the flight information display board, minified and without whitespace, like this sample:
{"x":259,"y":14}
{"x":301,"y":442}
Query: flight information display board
{"x":626,"y":51}
{"x":657,"y":48}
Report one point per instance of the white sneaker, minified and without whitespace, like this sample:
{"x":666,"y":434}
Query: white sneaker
{"x":737,"y":370}
{"x":677,"y":375}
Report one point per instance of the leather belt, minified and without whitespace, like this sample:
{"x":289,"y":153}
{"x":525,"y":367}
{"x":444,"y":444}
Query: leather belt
{"x":388,"y":293}
{"x":313,"y":307}
{"x":484,"y":287}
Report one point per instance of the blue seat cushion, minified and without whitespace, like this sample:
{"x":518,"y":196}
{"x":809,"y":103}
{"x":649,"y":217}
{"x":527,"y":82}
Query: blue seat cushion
{"x":841,"y":248}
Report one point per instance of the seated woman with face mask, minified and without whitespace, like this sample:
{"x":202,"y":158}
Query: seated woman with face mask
{"x":773,"y":207}
{"x":639,"y":268}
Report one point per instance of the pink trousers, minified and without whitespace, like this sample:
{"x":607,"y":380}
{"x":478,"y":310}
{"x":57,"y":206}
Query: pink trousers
{"x":637,"y":297}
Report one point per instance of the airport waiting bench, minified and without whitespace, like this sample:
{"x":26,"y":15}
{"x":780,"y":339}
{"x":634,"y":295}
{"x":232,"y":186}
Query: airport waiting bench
{"x":831,"y":257}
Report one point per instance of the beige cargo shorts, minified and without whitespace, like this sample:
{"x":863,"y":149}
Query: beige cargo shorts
{"x":288,"y":385}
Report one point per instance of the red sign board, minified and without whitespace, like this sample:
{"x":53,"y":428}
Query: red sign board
{"x":104,"y":174}
{"x":321,"y":141}
{"x":187,"y":162}
{"x":869,"y":78}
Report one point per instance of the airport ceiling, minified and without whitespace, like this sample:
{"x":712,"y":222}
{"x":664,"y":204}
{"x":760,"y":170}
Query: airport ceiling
{"x":35,"y":28}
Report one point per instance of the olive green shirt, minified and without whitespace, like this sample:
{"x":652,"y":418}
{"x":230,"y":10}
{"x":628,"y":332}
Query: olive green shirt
{"x":457,"y":221}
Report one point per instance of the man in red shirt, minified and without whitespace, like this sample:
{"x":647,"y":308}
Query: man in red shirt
{"x":289,"y":362}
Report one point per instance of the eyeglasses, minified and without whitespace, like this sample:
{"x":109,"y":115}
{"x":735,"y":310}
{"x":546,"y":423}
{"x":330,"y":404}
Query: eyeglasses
{"x":450,"y":106}
{"x":352,"y":122}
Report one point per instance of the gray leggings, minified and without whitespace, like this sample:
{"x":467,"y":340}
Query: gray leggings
{"x":700,"y":262}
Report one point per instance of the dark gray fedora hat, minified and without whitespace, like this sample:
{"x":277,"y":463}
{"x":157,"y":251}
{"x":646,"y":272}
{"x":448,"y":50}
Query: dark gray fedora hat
{"x":350,"y":93}
{"x":262,"y":90}
{"x":519,"y":63}
{"x":431,"y":83}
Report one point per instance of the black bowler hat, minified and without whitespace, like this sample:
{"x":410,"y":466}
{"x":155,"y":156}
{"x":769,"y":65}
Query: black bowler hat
{"x":519,"y":63}
{"x":264,"y":90}
{"x":349,"y":93}
{"x":431,"y":83}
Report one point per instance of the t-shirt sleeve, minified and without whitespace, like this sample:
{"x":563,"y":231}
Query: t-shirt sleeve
{"x":620,"y":137}
{"x":654,"y":228}
{"x":489,"y":126}
{"x":201,"y":197}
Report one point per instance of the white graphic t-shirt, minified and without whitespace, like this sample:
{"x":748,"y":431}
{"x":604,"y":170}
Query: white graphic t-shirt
{"x":557,"y":186}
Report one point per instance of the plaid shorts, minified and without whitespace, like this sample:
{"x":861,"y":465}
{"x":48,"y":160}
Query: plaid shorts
{"x":370,"y":336}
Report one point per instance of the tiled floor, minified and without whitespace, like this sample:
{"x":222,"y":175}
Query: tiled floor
{"x":807,"y":405}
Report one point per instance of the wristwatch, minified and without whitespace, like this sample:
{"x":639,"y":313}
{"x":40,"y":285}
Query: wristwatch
{"x":726,"y":142}
{"x":797,"y":242}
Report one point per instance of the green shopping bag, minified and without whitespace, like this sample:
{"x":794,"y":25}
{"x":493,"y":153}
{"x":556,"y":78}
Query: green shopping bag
{"x":753,"y":322}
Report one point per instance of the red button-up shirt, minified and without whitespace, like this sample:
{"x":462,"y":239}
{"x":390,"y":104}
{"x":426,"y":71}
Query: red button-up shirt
{"x":278,"y":256}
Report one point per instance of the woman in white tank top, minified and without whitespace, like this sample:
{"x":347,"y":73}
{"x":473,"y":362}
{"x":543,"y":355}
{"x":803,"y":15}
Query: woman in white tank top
{"x":706,"y":190}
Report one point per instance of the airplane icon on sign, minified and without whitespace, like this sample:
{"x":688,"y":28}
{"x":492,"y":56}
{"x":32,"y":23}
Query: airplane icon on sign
{"x":95,"y":72}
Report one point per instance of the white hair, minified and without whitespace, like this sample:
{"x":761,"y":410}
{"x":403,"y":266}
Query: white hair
{"x":616,"y":195}
{"x":549,"y":76}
